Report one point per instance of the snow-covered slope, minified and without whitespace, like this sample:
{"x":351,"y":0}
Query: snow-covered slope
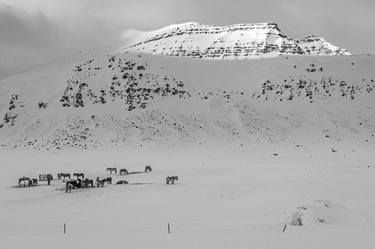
{"x":239,"y":41}
{"x":131,"y":100}
{"x":270,"y":153}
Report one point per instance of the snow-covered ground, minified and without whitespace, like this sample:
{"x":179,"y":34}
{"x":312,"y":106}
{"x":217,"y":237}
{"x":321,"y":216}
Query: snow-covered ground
{"x":257,"y":145}
{"x":224,"y":199}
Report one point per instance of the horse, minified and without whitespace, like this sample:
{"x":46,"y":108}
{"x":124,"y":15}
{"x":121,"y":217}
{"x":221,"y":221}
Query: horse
{"x":49,"y":178}
{"x":121,"y":182}
{"x":79,"y":175}
{"x":123,"y":172}
{"x":68,"y":187}
{"x":86,"y":183}
{"x":74,"y":183}
{"x":89,"y":182}
{"x":42,"y":177}
{"x":112,"y":170}
{"x":148,"y":168}
{"x":45,"y":177}
{"x":25,"y":182}
{"x":171,"y":179}
{"x":42,"y":105}
{"x":108,"y":179}
{"x":99,"y":182}
{"x":63,"y":175}
{"x":71,"y":184}
{"x":34,"y":181}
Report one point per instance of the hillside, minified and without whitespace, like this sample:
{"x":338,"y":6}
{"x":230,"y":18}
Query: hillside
{"x":129,"y":100}
{"x":239,"y":41}
{"x":272,"y":152}
{"x":259,"y":146}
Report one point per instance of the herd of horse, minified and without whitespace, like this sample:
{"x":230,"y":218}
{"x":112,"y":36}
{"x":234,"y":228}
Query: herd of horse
{"x":27,"y":182}
{"x":81,"y":182}
{"x":87,"y":183}
{"x":63,"y":176}
{"x":125,"y":171}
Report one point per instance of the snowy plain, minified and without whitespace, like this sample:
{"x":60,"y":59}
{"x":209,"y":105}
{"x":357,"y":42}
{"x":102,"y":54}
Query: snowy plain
{"x":236,"y":189}
{"x":223,"y":200}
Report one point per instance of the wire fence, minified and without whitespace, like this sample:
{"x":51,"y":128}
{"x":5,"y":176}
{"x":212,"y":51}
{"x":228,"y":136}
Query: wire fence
{"x":71,"y":228}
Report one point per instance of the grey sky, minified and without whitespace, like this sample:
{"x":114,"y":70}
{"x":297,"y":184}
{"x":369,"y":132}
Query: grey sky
{"x":36,"y":31}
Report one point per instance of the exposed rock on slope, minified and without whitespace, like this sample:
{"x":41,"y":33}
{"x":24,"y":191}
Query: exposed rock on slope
{"x":120,"y":79}
{"x":240,"y":41}
{"x":314,"y":45}
{"x":11,"y":111}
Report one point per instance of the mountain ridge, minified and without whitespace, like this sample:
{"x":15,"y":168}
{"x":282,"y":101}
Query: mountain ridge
{"x":237,"y":41}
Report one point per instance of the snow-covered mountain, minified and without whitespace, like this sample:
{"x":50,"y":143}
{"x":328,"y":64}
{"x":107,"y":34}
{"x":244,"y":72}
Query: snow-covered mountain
{"x":273,"y":152}
{"x":239,"y":41}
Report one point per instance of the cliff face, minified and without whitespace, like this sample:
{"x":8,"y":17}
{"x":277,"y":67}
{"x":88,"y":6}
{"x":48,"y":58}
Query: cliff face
{"x":239,"y":41}
{"x":314,"y":45}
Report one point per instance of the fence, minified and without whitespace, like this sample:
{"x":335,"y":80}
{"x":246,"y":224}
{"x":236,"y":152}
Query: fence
{"x":70,"y":228}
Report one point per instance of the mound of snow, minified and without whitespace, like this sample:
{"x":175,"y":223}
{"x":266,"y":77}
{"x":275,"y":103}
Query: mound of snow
{"x":324,"y":212}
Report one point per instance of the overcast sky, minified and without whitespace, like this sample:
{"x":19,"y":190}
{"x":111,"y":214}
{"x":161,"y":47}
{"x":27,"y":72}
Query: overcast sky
{"x":35,"y":31}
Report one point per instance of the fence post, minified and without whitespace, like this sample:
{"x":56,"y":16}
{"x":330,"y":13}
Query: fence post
{"x":64,"y":228}
{"x":169,"y":228}
{"x":284,"y":228}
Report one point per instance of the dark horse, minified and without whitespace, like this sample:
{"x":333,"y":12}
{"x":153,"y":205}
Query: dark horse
{"x":112,"y":170}
{"x":89,"y":182}
{"x":71,"y":184}
{"x":99,"y":182}
{"x":121,"y":182}
{"x":171,"y":179}
{"x":25,"y":182}
{"x":63,"y":175}
{"x":86,"y":183}
{"x":108,"y":179}
{"x":49,"y":179}
{"x":34,"y":181}
{"x":42,"y":105}
{"x":79,"y":175}
{"x":45,"y":177}
{"x":123,"y":172}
